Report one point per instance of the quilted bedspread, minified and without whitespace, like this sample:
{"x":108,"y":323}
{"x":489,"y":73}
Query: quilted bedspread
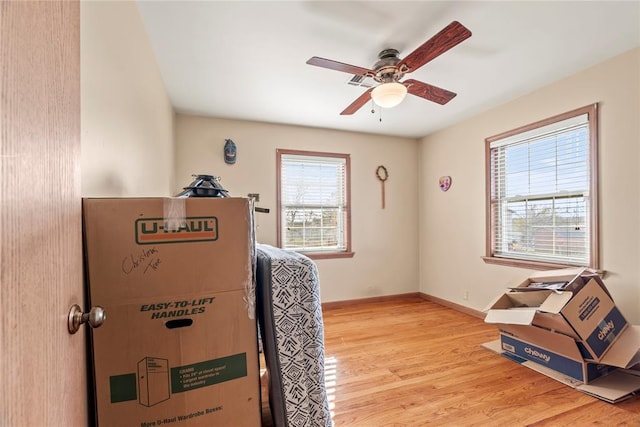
{"x":290,"y":321}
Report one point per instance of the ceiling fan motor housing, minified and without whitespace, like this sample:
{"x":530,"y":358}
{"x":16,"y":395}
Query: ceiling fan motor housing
{"x":386,"y":68}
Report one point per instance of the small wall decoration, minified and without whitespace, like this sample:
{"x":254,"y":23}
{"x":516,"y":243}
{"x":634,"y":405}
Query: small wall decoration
{"x":229,"y":152}
{"x":445,"y":183}
{"x":382,"y":174}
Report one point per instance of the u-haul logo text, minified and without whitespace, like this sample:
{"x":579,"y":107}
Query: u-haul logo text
{"x":190,"y":229}
{"x":606,"y":330}
{"x":536,"y":353}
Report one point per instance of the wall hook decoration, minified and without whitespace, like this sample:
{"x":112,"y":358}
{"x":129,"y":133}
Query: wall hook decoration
{"x":382,"y":174}
{"x":445,"y":183}
{"x":229,"y":152}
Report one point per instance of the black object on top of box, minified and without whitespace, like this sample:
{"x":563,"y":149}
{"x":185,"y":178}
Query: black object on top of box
{"x":204,"y":186}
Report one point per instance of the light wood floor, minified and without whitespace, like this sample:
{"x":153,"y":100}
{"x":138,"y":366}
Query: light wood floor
{"x":409,"y":362}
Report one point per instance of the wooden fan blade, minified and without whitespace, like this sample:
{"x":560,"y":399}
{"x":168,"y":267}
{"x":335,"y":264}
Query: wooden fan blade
{"x":339,"y":66}
{"x":429,"y":92}
{"x":358,"y":103}
{"x":450,"y":36}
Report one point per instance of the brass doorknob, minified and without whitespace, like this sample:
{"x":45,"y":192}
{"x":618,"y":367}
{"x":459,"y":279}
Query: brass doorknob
{"x":95,"y":317}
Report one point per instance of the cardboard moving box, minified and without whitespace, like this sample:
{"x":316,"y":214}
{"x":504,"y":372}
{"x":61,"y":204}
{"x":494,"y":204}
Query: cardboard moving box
{"x":555,"y":351}
{"x":562,"y":330}
{"x":587,"y":313}
{"x":175,"y":277}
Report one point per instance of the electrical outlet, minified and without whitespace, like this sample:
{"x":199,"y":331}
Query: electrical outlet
{"x":465,"y":296}
{"x":255,"y":196}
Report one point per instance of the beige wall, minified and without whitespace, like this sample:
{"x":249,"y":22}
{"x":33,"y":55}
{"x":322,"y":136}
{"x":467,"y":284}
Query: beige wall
{"x":128,"y":149}
{"x":126,"y":118}
{"x":385,"y":241}
{"x":452,"y":224}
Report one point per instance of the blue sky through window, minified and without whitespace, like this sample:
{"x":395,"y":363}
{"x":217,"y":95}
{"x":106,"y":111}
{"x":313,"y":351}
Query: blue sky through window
{"x":549,"y":165}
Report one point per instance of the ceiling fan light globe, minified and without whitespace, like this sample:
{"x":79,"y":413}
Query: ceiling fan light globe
{"x":388,"y":95}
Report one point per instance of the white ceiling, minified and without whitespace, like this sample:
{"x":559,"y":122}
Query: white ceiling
{"x":247,"y":60}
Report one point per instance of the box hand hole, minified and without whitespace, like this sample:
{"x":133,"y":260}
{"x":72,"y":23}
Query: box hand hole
{"x":179,"y":323}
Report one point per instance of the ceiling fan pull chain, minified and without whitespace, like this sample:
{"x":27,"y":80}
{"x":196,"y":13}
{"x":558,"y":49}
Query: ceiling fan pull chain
{"x":373,"y":106}
{"x":380,"y":115}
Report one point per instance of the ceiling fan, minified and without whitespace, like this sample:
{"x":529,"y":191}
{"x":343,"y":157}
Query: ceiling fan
{"x":390,"y":69}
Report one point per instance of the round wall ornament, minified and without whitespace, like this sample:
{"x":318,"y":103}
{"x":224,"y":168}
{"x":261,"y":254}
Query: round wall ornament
{"x":445,"y":183}
{"x":382,"y":173}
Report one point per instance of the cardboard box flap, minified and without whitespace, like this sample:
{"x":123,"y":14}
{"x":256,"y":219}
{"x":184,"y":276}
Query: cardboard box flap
{"x":614,"y":387}
{"x":518,"y":299}
{"x":516,"y":316}
{"x":555,"y":302}
{"x":520,"y":307}
{"x":493,"y":346}
{"x":522,"y":299}
{"x":494,"y":303}
{"x":626,"y":350}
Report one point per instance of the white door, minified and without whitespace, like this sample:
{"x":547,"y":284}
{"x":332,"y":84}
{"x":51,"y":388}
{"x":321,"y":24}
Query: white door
{"x":42,"y":367}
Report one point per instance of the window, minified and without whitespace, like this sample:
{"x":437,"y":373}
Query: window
{"x":313,"y":203}
{"x":542,"y":193}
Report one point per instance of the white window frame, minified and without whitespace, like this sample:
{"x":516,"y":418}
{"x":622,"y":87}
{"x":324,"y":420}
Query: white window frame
{"x":343,"y":249}
{"x":495,"y":197}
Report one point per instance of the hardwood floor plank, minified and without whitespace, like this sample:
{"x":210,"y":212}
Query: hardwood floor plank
{"x":409,"y":362}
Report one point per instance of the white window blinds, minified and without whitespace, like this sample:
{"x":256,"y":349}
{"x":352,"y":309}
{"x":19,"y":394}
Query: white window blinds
{"x":313,"y":203}
{"x":540,"y":193}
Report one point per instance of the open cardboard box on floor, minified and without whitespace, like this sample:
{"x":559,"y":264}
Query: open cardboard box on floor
{"x":175,"y":278}
{"x":553,"y":332}
{"x":586,"y":312}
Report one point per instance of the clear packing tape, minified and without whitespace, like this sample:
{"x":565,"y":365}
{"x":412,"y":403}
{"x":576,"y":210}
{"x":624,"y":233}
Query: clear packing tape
{"x":174,"y":213}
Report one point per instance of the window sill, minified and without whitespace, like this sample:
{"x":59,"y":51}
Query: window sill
{"x":531,"y":265}
{"x":328,"y":255}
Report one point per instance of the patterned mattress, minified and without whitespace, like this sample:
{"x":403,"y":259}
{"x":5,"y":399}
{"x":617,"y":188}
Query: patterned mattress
{"x":290,"y":321}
